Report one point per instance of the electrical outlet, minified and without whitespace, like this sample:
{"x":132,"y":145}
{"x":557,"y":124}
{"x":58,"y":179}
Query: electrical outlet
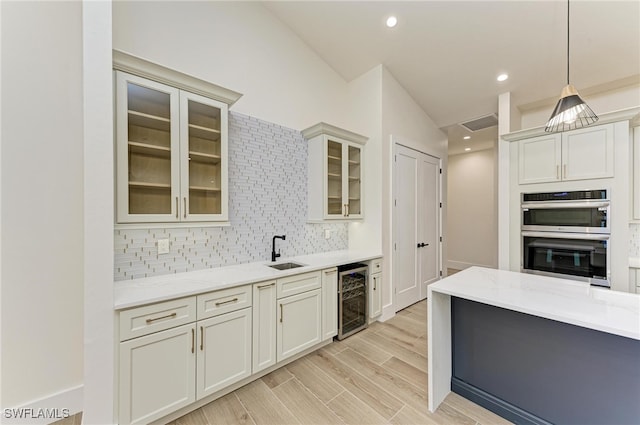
{"x":327,"y":233}
{"x":163,"y":246}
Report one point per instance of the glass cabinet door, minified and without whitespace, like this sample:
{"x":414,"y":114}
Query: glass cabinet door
{"x":204,"y":125}
{"x":354,"y":181}
{"x":334,"y":179}
{"x":147,"y":164}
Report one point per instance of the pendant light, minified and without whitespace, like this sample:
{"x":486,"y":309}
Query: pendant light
{"x":571,"y":111}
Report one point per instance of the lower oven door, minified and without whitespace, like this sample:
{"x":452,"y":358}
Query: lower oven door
{"x":569,"y":255}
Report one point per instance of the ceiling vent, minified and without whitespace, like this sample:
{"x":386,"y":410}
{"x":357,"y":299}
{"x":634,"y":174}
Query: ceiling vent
{"x":481,"y":123}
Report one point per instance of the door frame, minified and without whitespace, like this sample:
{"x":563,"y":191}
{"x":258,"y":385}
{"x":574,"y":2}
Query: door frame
{"x":396,"y":142}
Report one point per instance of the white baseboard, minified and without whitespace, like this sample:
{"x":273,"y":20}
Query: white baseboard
{"x":45,"y":410}
{"x":461,"y":265}
{"x":387,"y":313}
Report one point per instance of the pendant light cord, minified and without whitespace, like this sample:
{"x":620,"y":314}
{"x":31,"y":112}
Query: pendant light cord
{"x":567,"y":42}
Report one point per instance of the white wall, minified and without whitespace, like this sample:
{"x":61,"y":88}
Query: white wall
{"x":365,"y":111}
{"x":402,"y":118}
{"x":240,"y":46}
{"x":472,"y":214}
{"x":42,"y":202}
{"x":99,"y":319}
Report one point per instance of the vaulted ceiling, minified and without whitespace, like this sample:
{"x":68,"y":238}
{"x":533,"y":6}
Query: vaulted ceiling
{"x":447,"y":54}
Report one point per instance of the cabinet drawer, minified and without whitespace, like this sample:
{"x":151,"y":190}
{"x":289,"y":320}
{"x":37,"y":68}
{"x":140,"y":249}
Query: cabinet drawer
{"x":298,"y":284}
{"x":376,"y":266}
{"x":223,"y":301}
{"x":156,"y":317}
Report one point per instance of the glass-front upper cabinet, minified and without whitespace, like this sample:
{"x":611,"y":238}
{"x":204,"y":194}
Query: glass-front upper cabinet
{"x":335,"y":185}
{"x":354,"y":181}
{"x":171,"y":153}
{"x":204,"y":162}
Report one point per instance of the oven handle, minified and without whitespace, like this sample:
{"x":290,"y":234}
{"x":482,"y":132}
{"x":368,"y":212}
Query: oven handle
{"x":546,"y":205}
{"x":559,"y":235}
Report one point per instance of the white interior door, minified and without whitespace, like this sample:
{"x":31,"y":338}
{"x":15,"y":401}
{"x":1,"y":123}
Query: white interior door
{"x":428,"y":222}
{"x":416,"y":221}
{"x":405,"y":261}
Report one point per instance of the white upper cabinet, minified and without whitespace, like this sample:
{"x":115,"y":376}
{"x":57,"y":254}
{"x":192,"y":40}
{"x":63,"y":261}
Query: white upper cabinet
{"x":335,"y":184}
{"x":581,"y":154}
{"x":147,"y":150}
{"x":171,"y":145}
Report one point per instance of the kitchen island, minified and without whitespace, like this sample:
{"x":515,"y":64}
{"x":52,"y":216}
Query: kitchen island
{"x":535,"y":349}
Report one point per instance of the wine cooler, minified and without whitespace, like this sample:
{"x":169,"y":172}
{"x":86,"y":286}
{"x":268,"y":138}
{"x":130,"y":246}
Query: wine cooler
{"x":352,"y":299}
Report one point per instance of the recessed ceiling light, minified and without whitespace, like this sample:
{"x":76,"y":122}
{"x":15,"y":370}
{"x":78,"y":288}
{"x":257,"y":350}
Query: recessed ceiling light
{"x":502,"y":77}
{"x":467,"y":137}
{"x":467,"y":149}
{"x":392,"y":21}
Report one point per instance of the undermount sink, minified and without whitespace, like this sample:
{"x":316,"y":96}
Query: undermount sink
{"x":286,"y":266}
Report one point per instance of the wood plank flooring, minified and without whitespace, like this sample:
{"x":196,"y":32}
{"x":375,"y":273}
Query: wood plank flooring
{"x":377,"y":376}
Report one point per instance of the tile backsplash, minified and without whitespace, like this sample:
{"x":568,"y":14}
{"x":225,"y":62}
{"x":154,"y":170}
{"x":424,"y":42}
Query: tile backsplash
{"x":267,"y":196}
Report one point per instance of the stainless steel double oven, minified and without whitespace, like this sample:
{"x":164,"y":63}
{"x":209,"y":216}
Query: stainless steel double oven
{"x":566,"y":234}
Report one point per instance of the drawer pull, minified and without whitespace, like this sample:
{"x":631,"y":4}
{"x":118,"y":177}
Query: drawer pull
{"x":218,"y":304}
{"x":266,"y":286}
{"x":172,"y":315}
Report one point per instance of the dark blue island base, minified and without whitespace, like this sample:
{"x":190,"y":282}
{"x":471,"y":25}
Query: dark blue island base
{"x":532,"y":370}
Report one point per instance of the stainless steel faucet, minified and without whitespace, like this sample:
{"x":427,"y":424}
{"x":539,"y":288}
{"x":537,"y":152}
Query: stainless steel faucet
{"x":275,"y":255}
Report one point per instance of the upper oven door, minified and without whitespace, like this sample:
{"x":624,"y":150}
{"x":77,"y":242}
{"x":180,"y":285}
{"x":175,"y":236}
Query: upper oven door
{"x":582,"y":217}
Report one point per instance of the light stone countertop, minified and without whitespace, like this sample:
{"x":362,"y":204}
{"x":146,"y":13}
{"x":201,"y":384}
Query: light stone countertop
{"x":137,"y":292}
{"x":563,"y":300}
{"x":634,"y":262}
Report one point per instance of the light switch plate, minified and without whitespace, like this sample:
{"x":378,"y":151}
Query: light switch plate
{"x":327,"y":233}
{"x":163,"y":246}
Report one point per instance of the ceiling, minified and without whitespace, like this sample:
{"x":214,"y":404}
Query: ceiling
{"x":447,"y":54}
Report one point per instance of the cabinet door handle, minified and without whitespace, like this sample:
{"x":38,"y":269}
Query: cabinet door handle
{"x":193,"y":340}
{"x":374,"y":283}
{"x":226,"y":302}
{"x":281,"y":313}
{"x":185,"y":207}
{"x":177,"y":207}
{"x":172,"y":315}
{"x":201,"y":338}
{"x":565,"y":171}
{"x":347,"y":205}
{"x":266,"y":286}
{"x":557,"y":172}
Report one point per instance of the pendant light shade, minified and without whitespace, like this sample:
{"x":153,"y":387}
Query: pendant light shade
{"x":571,"y":111}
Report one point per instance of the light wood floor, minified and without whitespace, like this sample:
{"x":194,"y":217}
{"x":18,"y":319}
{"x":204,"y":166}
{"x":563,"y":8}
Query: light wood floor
{"x":377,"y":376}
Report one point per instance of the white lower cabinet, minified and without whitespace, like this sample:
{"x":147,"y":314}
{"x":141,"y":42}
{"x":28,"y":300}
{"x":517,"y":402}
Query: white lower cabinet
{"x":264,"y":325}
{"x":375,"y":289}
{"x":176,"y":352}
{"x":299,"y":323}
{"x":375,"y":295}
{"x":224,"y":351}
{"x":157,"y":374}
{"x":329,"y":303}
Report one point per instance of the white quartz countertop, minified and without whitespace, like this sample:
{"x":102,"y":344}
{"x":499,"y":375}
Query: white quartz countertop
{"x":137,"y":292}
{"x":563,"y":300}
